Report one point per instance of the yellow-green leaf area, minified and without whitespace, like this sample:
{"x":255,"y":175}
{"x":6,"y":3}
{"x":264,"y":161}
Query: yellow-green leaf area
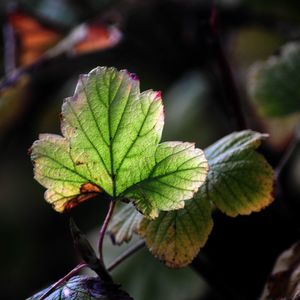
{"x":240,"y":180}
{"x":176,"y":237}
{"x":110,"y":144}
{"x":179,"y":170}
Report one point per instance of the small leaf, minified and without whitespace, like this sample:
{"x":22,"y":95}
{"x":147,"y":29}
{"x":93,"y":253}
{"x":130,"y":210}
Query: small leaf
{"x":110,"y":144}
{"x":85,"y":288}
{"x":274,"y":84}
{"x":124,"y":223}
{"x":240,"y":180}
{"x":176,"y":237}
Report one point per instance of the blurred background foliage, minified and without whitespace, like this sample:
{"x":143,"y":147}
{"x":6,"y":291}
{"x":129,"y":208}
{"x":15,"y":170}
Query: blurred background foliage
{"x":170,"y":46}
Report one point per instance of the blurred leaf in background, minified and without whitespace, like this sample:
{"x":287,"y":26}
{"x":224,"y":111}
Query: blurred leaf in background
{"x":273,"y":86}
{"x":149,"y":279}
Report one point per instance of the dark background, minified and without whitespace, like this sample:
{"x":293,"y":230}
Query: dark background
{"x":170,"y":46}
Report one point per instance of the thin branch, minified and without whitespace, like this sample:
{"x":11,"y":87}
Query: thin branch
{"x":9,"y":49}
{"x":63,"y":280}
{"x":104,"y":228}
{"x":126,"y":254}
{"x":286,"y":156}
{"x":226,"y":72}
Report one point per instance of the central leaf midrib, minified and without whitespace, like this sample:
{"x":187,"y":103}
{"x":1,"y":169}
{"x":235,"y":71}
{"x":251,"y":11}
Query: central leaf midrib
{"x":110,"y":138}
{"x":132,"y":144}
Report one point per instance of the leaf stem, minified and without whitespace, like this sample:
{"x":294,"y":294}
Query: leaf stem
{"x":104,"y":228}
{"x":227,"y":76}
{"x":286,"y":156}
{"x":126,"y":254}
{"x":63,"y":280}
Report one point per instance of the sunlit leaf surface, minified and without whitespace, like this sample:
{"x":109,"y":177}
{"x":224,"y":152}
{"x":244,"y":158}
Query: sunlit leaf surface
{"x":110,"y":143}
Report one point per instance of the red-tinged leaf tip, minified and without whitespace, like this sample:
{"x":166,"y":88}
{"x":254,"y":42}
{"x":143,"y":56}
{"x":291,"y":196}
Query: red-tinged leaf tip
{"x":133,"y":76}
{"x":158,"y":95}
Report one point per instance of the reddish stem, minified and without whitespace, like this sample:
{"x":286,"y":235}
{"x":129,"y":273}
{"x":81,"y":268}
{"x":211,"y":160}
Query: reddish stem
{"x":104,"y":228}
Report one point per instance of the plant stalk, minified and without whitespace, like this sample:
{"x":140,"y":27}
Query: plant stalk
{"x":126,"y":254}
{"x":104,"y":228}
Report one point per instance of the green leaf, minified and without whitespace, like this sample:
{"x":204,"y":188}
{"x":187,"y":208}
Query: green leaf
{"x":274,"y":84}
{"x":84,"y":288}
{"x":176,"y":237}
{"x":240,"y":180}
{"x":110,"y":144}
{"x":124,"y":224}
{"x":178,"y":172}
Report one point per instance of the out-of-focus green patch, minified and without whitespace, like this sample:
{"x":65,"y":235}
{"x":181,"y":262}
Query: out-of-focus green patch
{"x":274,"y":84}
{"x":280,"y":9}
{"x":251,"y":43}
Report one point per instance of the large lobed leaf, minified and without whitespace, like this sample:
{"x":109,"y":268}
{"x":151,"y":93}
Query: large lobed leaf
{"x":274,"y":84}
{"x":84,"y":288}
{"x":239,"y":181}
{"x":110,"y":144}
